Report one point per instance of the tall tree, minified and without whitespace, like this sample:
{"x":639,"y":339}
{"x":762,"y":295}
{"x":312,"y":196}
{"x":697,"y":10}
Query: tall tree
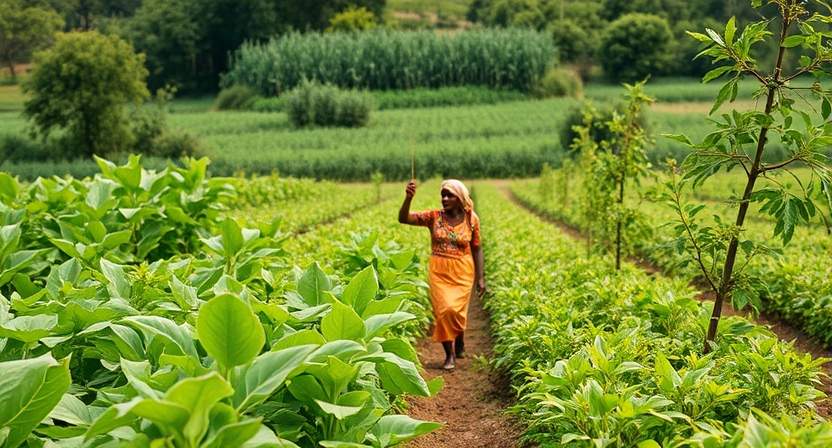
{"x":81,"y":86}
{"x":24,"y":28}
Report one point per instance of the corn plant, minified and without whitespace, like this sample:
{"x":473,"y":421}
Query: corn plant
{"x":740,"y":141}
{"x":379,"y":59}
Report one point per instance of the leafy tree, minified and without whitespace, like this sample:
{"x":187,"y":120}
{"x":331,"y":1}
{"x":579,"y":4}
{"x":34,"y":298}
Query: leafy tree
{"x":82,"y":86}
{"x":615,"y":9}
{"x":513,"y":13}
{"x":352,"y":19}
{"x":25,"y":28}
{"x":575,"y":44}
{"x":171,"y":33}
{"x":723,"y":251}
{"x":635,"y":46}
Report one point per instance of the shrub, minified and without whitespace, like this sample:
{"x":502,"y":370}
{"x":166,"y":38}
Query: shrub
{"x":271,"y":104}
{"x":559,"y":83}
{"x":324,"y":105}
{"x":175,"y":145}
{"x":598,"y":129}
{"x":238,"y":97}
{"x":15,"y":148}
{"x":352,"y":19}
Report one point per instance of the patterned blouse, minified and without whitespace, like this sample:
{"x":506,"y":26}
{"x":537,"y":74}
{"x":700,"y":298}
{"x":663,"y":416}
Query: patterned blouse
{"x":446,"y":240}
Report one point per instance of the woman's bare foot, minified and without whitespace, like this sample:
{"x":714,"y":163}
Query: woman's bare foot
{"x":449,"y":364}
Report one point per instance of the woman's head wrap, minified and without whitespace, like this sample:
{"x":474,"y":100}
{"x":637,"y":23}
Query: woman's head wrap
{"x":458,"y":189}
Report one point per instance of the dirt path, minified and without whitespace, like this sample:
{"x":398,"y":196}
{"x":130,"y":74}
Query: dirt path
{"x":474,"y":398}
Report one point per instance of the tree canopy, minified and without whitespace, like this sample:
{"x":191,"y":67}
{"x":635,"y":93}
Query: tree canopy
{"x":24,"y":28}
{"x":81,"y":86}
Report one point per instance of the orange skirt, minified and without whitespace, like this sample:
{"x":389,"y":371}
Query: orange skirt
{"x":451,"y":286}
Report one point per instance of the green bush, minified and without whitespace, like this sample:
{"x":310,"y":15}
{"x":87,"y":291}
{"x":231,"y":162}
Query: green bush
{"x":352,"y":19}
{"x":16,"y":148}
{"x":559,"y":83}
{"x":598,"y":129}
{"x":238,"y":97}
{"x":175,"y":145}
{"x":270,"y":104}
{"x":325,"y":105}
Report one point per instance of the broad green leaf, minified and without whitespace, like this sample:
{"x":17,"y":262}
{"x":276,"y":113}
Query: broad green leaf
{"x":378,"y":324}
{"x":267,"y":373}
{"x":400,"y":348}
{"x":229,"y":331}
{"x":118,"y":285}
{"x":793,"y":41}
{"x":234,"y":435}
{"x":387,"y":305}
{"x":172,"y":418}
{"x":341,"y":349}
{"x":403,"y":259}
{"x":115,"y":239}
{"x":306,"y":389}
{"x":648,"y":444}
{"x":197,"y":396}
{"x":115,"y":417}
{"x":394,"y":429}
{"x":232,"y":237}
{"x":337,"y":411}
{"x":334,"y":375}
{"x":342,"y":322}
{"x":184,"y":295}
{"x":266,"y":438}
{"x":8,"y":186}
{"x":168,"y":330}
{"x":29,"y":390}
{"x":669,"y":378}
{"x":71,"y":410}
{"x":361,"y":289}
{"x":97,"y":230}
{"x":137,"y":373}
{"x":29,"y":328}
{"x":401,"y":374}
{"x":302,"y":337}
{"x":313,"y":284}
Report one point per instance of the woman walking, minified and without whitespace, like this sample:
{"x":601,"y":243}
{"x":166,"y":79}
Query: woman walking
{"x":456,"y":262}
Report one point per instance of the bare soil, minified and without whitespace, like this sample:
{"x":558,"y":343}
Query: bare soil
{"x":473,"y":402}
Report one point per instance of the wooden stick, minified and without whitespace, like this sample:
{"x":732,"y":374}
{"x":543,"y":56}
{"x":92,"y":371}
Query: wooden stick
{"x":412,"y":164}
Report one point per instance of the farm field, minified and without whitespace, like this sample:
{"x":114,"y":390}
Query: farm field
{"x":109,"y":330}
{"x":466,"y":141}
{"x":334,"y":284}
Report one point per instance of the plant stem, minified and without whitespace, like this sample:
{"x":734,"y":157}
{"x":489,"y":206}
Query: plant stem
{"x":725,"y":284}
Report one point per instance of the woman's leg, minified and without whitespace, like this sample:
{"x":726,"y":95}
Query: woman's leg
{"x":459,"y":346}
{"x":449,"y":355}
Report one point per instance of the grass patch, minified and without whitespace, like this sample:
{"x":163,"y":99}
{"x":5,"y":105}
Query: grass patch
{"x":444,"y":9}
{"x":11,"y":98}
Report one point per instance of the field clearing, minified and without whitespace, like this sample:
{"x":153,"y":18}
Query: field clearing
{"x":11,"y":99}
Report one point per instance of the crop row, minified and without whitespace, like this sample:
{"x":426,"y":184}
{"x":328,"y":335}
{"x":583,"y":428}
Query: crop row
{"x":798,"y":286}
{"x":136,"y":313}
{"x":385,"y":60}
{"x":613,"y":358}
